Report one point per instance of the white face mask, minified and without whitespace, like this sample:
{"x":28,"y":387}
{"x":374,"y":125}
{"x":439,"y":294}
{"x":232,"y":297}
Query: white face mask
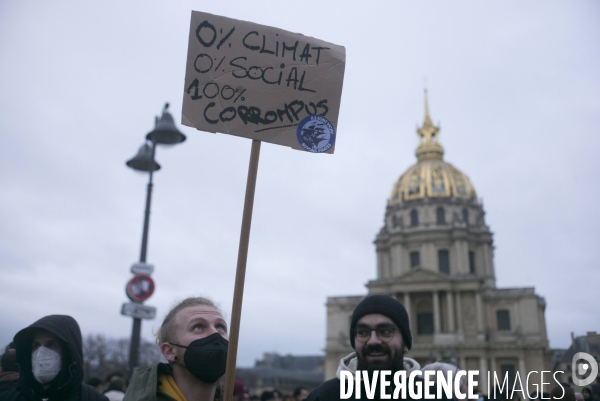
{"x":45,"y":364}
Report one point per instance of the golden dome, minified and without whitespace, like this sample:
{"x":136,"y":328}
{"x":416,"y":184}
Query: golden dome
{"x":431,"y":177}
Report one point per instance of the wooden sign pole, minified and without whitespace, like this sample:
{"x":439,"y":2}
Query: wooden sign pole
{"x":240,"y":275}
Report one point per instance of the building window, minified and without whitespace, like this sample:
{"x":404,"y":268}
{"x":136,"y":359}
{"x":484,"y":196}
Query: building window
{"x":503,"y":318}
{"x":471,"y":262}
{"x":466,"y":216}
{"x":425,"y":323}
{"x":395,"y":221}
{"x":415,"y":259}
{"x":440,"y":215}
{"x":414,"y":218}
{"x":444,"y":261}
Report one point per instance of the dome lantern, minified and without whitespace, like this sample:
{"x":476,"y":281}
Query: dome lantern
{"x":431,"y":176}
{"x":429,"y":145}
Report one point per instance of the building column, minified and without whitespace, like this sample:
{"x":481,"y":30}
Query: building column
{"x":436,"y":313}
{"x":407,"y":305}
{"x":493,"y":367}
{"x":485,"y":268}
{"x":522,"y":372}
{"x":380,"y":256}
{"x":483,"y":374}
{"x":479,"y":311}
{"x":450,"y":304}
{"x":396,"y":260}
{"x":459,"y":317}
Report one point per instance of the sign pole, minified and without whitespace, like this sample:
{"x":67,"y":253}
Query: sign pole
{"x":240,"y":275}
{"x":134,"y":346}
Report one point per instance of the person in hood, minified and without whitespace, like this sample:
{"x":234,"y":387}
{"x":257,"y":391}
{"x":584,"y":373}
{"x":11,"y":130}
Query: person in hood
{"x":381,"y":337}
{"x":449,"y":371}
{"x":50,"y":358}
{"x":9,"y":372}
{"x":193,"y":339}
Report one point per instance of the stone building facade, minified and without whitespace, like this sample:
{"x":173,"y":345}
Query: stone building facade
{"x":435,"y":255}
{"x":283,"y":373}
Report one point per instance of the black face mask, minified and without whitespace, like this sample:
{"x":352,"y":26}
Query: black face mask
{"x":206,"y":358}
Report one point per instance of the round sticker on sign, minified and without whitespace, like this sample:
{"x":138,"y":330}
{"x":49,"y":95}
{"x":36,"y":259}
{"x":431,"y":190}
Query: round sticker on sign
{"x":315,"y":134}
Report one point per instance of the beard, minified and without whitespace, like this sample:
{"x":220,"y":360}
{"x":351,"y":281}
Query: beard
{"x":393,"y":363}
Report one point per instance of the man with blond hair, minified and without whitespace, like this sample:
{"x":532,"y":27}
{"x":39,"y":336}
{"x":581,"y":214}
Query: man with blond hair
{"x":193,"y":339}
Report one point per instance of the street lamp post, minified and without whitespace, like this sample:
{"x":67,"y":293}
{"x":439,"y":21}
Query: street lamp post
{"x":164,"y":133}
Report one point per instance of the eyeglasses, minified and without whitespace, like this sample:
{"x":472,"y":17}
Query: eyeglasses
{"x":384,"y":334}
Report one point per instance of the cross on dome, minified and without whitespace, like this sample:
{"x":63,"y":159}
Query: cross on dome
{"x":429,"y":146}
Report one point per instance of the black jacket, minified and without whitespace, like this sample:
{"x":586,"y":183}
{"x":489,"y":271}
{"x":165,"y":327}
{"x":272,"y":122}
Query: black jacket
{"x":67,"y":386}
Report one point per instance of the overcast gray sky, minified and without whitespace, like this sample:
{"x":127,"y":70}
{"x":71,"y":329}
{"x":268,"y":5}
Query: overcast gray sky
{"x":514,"y":85}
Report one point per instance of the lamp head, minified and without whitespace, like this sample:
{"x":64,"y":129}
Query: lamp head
{"x":165,"y":132}
{"x":143,"y":160}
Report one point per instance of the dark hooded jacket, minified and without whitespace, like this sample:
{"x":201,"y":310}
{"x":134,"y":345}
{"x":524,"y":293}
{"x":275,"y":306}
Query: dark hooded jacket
{"x":68,"y":385}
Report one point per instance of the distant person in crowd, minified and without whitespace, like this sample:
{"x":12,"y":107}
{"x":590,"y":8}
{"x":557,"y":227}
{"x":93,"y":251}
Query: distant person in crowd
{"x":578,"y":396}
{"x":9,"y":370}
{"x":586,"y":392}
{"x":564,"y":393}
{"x":380,"y":336}
{"x":267,"y":396}
{"x":239,"y":391}
{"x":116,"y":374}
{"x":445,"y":368}
{"x":193,"y":339}
{"x":50,"y":357}
{"x":274,"y":395}
{"x":115,"y":390}
{"x":300,"y":393}
{"x":96,"y":383}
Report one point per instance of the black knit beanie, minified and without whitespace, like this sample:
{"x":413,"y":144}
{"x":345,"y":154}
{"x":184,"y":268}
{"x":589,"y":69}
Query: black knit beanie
{"x":384,"y":305}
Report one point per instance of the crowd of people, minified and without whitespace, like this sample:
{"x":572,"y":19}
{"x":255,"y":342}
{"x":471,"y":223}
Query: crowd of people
{"x":45,"y":361}
{"x":240,"y":393}
{"x":113,"y":386}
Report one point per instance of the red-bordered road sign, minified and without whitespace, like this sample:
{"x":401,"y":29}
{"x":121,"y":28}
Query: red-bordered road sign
{"x":140,"y":288}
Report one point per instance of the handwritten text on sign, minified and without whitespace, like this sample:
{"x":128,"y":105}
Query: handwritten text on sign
{"x":260,"y":82}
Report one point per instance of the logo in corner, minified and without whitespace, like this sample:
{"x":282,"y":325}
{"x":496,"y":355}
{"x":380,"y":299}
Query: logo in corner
{"x":580,"y":368}
{"x":315,"y":134}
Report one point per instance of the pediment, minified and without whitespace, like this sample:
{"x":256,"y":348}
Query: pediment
{"x":421,"y":275}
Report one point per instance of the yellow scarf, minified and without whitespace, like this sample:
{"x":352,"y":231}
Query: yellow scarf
{"x":170,"y":388}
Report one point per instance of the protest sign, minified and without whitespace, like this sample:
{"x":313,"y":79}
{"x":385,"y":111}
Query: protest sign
{"x":262,"y":83}
{"x":268,"y":85}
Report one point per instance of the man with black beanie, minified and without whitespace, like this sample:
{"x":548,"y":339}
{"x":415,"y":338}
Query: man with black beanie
{"x":380,"y":335}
